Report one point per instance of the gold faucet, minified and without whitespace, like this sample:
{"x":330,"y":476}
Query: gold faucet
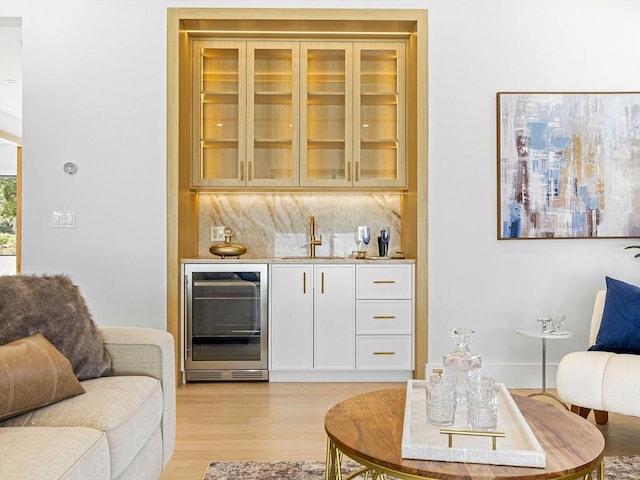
{"x":313,"y":241}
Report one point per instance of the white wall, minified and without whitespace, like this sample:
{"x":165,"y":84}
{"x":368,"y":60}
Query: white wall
{"x":95,"y":94}
{"x":8,"y":159}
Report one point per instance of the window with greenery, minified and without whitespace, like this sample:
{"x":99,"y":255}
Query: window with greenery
{"x":8,"y":186}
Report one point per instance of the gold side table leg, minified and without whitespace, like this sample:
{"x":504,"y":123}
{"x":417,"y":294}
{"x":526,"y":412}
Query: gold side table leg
{"x":601,"y":470}
{"x":333,"y":468}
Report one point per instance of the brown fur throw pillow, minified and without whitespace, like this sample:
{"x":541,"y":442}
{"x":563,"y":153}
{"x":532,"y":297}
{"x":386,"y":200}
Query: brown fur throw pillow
{"x":54,"y":306}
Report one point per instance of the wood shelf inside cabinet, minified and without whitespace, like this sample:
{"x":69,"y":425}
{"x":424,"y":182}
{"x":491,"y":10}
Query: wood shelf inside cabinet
{"x":272,"y":143}
{"x":219,"y":142}
{"x":379,"y":98}
{"x":220,"y":97}
{"x":379,"y":144}
{"x":270,"y":98}
{"x":325,"y":143}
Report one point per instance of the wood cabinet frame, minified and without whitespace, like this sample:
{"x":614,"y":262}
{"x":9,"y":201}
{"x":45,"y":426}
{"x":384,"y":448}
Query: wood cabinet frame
{"x":333,"y":24}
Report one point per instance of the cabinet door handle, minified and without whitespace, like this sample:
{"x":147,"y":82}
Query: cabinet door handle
{"x":384,"y":317}
{"x":322,"y":282}
{"x":349,"y":171}
{"x":384,"y":353}
{"x":384,"y":281}
{"x":241,"y":171}
{"x":249,"y":171}
{"x":187,"y":320}
{"x":304,"y":282}
{"x":357,"y":171}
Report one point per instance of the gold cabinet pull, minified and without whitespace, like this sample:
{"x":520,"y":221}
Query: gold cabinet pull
{"x":384,"y":317}
{"x":349,"y":171}
{"x":384,"y":281}
{"x":304,"y":282}
{"x":384,"y":353}
{"x":241,"y":171}
{"x":322,"y":282}
{"x":357,"y":173}
{"x":249,"y":171}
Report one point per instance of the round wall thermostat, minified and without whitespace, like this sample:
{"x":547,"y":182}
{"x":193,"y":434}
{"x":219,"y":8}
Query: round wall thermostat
{"x":70,"y":168}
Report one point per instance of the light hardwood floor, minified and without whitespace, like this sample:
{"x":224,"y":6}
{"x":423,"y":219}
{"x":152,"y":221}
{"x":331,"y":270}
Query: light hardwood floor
{"x":285,"y":421}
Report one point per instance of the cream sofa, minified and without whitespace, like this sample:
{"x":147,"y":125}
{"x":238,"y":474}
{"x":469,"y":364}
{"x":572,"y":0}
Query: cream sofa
{"x":123,"y":427}
{"x":598,"y":380}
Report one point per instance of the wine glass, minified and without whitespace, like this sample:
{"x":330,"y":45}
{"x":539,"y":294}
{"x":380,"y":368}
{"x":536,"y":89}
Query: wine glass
{"x":358,"y":238}
{"x":366,"y":236}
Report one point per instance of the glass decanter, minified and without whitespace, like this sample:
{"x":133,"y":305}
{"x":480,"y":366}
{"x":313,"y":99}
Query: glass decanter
{"x":461,"y":363}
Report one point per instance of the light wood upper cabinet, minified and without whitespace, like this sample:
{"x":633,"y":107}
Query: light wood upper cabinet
{"x":219,"y":108}
{"x":273,"y":118}
{"x":379,"y":115}
{"x":352,"y":114}
{"x":327,"y":113}
{"x":298,"y":114}
{"x":245,"y":104}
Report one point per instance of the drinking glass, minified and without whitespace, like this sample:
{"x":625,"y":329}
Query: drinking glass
{"x":366,"y":236}
{"x":441,"y":400}
{"x":358,"y":238}
{"x":557,"y":320}
{"x":482,"y":404}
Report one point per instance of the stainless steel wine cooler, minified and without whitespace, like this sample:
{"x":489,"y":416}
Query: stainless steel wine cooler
{"x":226,"y":322}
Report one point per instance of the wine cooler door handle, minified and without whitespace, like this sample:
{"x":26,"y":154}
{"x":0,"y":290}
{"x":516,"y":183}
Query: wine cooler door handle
{"x":186,"y":315}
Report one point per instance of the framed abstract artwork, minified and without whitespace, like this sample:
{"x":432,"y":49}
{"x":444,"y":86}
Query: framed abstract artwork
{"x":568,"y":165}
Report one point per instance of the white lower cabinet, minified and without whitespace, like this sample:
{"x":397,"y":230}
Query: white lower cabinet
{"x":384,"y":317}
{"x":291,"y":317}
{"x":312,"y":317}
{"x":342,"y":321}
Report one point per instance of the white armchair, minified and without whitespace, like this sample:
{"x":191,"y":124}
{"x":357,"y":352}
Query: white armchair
{"x":600,"y":381}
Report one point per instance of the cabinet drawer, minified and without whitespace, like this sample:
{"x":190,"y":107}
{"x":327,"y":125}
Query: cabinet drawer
{"x":384,"y":281}
{"x":383,"y":317}
{"x":384,"y":352}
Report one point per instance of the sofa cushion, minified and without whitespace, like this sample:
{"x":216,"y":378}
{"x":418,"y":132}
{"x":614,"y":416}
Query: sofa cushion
{"x":33,"y":374}
{"x":53,"y":306}
{"x":620,"y":327}
{"x":621,"y":385}
{"x":53,"y":453}
{"x":127,"y":409}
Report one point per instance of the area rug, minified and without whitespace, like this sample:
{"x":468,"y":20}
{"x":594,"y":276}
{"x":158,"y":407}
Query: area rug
{"x":615,"y":468}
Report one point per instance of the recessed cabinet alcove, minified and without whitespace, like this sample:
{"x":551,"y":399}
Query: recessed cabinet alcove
{"x":275,"y":100}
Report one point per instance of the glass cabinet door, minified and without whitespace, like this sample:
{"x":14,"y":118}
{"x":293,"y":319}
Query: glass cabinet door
{"x":219,"y":108}
{"x":379,"y":122}
{"x":273,"y":118}
{"x":326,"y":112}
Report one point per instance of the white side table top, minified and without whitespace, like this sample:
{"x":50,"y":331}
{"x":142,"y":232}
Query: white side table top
{"x":538,"y":333}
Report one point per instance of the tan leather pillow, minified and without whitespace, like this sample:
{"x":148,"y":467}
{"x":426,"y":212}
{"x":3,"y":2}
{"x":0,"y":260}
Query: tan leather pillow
{"x":33,"y":373}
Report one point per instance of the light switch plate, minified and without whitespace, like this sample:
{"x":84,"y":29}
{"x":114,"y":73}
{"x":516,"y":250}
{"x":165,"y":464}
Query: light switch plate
{"x":63,"y":219}
{"x":217,"y":234}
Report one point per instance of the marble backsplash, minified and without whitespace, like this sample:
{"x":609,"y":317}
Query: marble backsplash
{"x":277,"y":225}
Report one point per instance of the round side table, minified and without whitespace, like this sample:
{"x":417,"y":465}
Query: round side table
{"x":545,"y":335}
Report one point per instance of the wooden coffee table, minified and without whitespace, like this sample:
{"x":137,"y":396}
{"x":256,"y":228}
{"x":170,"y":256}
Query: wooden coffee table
{"x":368,"y":429}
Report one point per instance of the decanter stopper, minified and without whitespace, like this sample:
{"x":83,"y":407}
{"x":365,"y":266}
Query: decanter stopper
{"x":461,"y":363}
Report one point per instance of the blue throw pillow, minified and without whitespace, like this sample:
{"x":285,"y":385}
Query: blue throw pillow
{"x":620,"y":327}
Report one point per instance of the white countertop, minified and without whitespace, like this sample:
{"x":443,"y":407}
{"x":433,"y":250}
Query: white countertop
{"x":336,"y":260}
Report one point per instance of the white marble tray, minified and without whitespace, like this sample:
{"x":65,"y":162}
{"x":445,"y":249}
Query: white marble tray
{"x":425,"y":442}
